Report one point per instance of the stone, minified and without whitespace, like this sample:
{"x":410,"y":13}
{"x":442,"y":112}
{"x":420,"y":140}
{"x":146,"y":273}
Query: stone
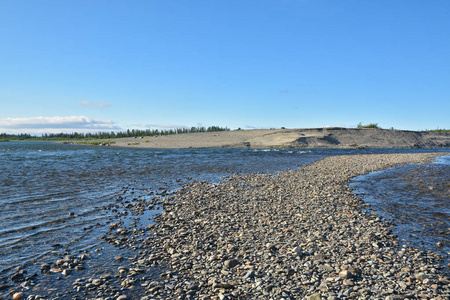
{"x":323,"y":287}
{"x":249,"y":274}
{"x":223,"y":285}
{"x":346,"y":274}
{"x":421,"y":276}
{"x":231,"y":263}
{"x":18,"y":296}
{"x":66,"y":272}
{"x":297,"y":250}
{"x":315,"y":296}
{"x":56,"y":270}
{"x":348,"y":282}
{"x":18,"y":277}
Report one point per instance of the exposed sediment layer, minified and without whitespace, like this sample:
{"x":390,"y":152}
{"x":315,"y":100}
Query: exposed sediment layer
{"x":297,"y":234}
{"x":292,"y":138}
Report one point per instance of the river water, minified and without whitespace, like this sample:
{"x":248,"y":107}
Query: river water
{"x":416,"y":199}
{"x":51,"y":195}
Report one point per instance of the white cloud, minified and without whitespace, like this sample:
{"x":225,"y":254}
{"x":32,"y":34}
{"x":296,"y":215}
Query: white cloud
{"x":98,"y":104}
{"x":103,"y":104}
{"x":55,"y":125}
{"x":84,"y":103}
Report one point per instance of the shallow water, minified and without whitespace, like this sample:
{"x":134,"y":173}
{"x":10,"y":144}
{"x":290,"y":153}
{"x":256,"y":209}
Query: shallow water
{"x":52,"y":196}
{"x":416,"y":198}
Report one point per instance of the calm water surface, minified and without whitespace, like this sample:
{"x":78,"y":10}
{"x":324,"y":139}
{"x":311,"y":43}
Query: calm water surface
{"x":51,"y":195}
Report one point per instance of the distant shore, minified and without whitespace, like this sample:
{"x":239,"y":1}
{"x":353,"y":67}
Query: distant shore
{"x":289,"y":138}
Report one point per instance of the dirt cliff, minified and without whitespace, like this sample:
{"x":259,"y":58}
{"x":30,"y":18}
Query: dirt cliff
{"x":293,"y":138}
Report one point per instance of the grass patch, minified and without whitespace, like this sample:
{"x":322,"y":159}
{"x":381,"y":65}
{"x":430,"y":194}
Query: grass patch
{"x":370,"y":125}
{"x":133,"y":144}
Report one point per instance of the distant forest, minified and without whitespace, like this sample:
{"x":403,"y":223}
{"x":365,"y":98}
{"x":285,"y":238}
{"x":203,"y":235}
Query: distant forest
{"x":109,"y":135}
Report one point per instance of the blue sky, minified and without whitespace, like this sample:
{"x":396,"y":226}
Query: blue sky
{"x":103,"y":65}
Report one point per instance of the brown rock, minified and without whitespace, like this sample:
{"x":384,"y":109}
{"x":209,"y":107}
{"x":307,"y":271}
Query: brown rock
{"x":231,"y":263}
{"x":346,"y":274}
{"x":18,"y":296}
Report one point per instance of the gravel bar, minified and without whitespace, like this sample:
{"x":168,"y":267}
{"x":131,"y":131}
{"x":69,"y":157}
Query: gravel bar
{"x":298,"y":234}
{"x":292,"y":235}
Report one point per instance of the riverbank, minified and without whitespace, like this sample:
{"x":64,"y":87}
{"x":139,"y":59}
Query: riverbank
{"x":298,"y":234}
{"x":290,"y":138}
{"x":289,"y":235}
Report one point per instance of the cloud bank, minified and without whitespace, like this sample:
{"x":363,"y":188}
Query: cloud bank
{"x":55,"y":125}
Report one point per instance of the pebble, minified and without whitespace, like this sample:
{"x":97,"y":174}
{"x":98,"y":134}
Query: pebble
{"x":299,"y":234}
{"x":18,"y":296}
{"x":231,"y":263}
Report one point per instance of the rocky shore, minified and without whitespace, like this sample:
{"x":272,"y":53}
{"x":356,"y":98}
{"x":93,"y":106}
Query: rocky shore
{"x":298,"y":234}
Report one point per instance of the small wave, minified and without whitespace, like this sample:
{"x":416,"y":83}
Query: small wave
{"x":303,"y":152}
{"x":443,"y":160}
{"x":415,"y":197}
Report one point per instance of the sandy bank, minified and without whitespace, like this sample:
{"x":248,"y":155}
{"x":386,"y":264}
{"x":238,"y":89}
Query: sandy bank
{"x":293,"y":138}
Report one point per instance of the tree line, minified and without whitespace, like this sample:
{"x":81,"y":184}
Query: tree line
{"x":110,"y":135}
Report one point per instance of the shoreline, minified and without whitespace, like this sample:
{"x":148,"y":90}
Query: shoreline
{"x":293,"y":234}
{"x":301,"y":233}
{"x":288,"y":138}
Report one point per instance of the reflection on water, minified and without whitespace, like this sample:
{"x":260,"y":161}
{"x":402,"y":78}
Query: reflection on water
{"x":416,"y":198}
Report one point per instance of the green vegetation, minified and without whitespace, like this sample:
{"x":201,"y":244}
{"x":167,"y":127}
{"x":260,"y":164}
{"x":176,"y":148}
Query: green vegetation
{"x":371,"y":125}
{"x":3,"y":140}
{"x":439,"y":130}
{"x":375,"y":125}
{"x":107,"y":135}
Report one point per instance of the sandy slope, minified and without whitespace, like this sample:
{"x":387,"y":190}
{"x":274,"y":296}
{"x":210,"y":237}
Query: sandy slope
{"x":294,"y":138}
